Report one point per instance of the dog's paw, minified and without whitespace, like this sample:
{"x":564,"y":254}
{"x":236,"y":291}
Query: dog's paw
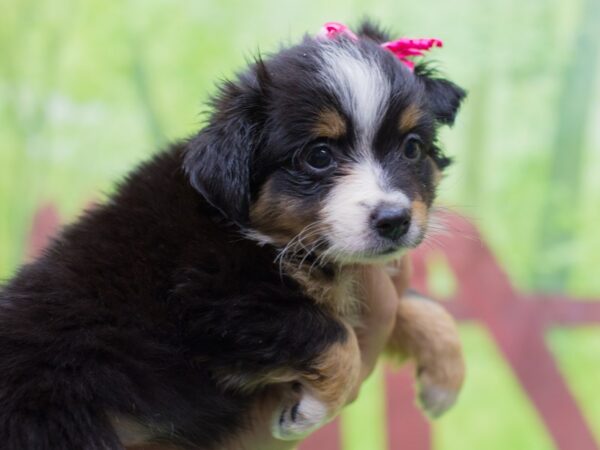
{"x":299,"y":419}
{"x":436,"y":400}
{"x":428,"y":334}
{"x":438,"y":390}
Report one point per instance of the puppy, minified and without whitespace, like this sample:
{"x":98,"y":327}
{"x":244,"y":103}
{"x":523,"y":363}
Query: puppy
{"x":225,"y":266}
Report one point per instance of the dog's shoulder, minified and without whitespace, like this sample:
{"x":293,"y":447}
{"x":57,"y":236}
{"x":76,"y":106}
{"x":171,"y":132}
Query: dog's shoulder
{"x":153,"y":231}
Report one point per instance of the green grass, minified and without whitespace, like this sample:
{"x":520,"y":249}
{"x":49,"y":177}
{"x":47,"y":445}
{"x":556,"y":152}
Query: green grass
{"x":492,"y":412}
{"x":577,"y":351}
{"x":363,"y":422}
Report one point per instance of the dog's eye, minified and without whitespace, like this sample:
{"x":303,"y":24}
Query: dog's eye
{"x":412,"y":148}
{"x":319,"y":157}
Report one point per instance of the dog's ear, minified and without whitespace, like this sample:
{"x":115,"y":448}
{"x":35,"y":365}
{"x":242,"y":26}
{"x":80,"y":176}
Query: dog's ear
{"x":218,"y":160}
{"x":443,"y":97}
{"x":371,"y":29}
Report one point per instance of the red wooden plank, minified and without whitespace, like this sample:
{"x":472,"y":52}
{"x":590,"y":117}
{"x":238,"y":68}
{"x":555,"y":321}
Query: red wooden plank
{"x":558,"y":310}
{"x":45,"y":224}
{"x":327,"y":438}
{"x":458,"y":310}
{"x":551,"y":310}
{"x":407,"y":427}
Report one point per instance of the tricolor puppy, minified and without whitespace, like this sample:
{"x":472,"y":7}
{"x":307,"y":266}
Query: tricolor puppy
{"x":225,"y":267}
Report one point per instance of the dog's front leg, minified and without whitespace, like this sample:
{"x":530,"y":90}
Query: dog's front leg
{"x":283,"y":338}
{"x":425,"y":332}
{"x":329,"y":384}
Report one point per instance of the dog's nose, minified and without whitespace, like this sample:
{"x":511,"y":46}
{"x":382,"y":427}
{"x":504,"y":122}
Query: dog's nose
{"x":391,"y":222}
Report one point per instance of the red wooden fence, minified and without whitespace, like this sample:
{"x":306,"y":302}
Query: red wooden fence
{"x":516,"y":321}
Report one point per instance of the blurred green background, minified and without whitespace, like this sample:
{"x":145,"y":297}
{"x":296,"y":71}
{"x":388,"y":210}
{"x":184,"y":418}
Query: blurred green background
{"x":89,"y":88}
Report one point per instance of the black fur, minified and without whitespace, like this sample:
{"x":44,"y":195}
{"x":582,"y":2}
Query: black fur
{"x":219,"y":158}
{"x":141,"y":306}
{"x":444,"y":97}
{"x":112,"y":317}
{"x":371,"y":29}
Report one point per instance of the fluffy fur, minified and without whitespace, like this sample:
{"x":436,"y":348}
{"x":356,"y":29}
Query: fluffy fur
{"x":221,"y":267}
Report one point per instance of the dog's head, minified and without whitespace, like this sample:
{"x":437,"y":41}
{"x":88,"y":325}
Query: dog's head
{"x":328,"y":146}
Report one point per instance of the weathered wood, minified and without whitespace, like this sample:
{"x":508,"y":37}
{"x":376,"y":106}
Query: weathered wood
{"x":44,"y":225}
{"x":407,"y":427}
{"x":327,"y":438}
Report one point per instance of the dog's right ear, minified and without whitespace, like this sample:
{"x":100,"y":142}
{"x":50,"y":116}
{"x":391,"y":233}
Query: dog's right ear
{"x":218,"y":159}
{"x":443,"y":97}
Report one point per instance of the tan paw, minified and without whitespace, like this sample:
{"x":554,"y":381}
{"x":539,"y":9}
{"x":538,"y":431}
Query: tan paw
{"x":440,"y":384}
{"x":427,"y":334}
{"x":436,"y":400}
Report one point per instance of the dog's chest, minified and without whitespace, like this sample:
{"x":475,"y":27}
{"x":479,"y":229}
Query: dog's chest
{"x":339,"y":293}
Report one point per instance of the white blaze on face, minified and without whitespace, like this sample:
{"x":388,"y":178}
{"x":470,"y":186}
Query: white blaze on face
{"x":360,"y":85}
{"x":364,"y":92}
{"x":349,"y":206}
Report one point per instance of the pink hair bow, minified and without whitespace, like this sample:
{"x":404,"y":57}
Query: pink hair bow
{"x":403,"y":48}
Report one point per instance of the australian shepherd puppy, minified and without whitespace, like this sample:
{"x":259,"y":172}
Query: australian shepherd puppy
{"x":225,"y":265}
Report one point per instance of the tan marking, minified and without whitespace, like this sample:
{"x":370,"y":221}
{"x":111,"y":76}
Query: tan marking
{"x":420,"y":212}
{"x":337,"y":372}
{"x":281,"y":217}
{"x":338,"y":295}
{"x":330,"y":124}
{"x":153,"y":447}
{"x":410,"y":118}
{"x":130,"y":432}
{"x":243,"y":382}
{"x":437,"y":173}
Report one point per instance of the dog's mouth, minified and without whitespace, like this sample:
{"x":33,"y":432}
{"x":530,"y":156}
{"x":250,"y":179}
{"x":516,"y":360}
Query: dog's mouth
{"x":319,"y":244}
{"x":380,"y":253}
{"x":371,"y":256}
{"x":372,"y":250}
{"x":326,"y":249}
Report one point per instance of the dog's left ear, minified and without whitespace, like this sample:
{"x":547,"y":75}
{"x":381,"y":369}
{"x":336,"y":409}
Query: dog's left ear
{"x":444,"y":98}
{"x":218,"y":159}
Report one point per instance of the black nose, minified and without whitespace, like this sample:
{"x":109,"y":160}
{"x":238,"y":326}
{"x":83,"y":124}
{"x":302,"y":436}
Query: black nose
{"x":391,"y":222}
